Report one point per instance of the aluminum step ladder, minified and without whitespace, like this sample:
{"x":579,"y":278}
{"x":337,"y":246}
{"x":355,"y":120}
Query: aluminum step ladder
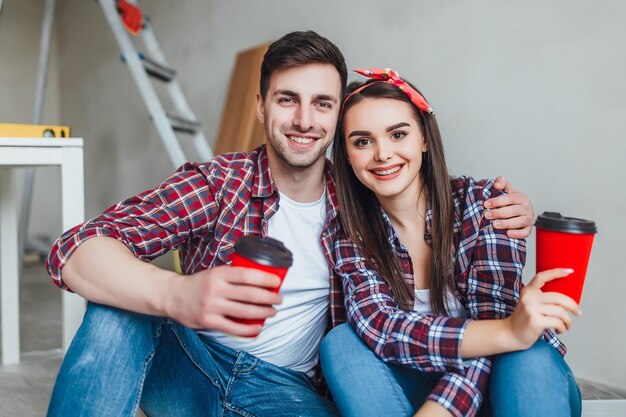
{"x":123,"y":17}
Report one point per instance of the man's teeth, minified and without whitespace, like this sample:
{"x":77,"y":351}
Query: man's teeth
{"x":301,"y":140}
{"x":388,"y":171}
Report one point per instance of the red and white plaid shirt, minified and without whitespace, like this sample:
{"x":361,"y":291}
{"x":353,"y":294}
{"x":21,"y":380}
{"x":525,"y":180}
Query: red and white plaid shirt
{"x":488,"y":272}
{"x":201,"y":209}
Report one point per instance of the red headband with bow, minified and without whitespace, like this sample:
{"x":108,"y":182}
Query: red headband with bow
{"x":391,"y":77}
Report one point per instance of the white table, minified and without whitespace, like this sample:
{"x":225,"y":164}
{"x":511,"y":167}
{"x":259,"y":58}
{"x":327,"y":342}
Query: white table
{"x":32,"y":152}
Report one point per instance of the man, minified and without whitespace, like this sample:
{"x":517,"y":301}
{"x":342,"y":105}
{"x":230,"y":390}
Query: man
{"x":136,"y":346}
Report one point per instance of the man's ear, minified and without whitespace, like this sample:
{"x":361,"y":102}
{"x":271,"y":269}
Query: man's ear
{"x":260,"y":111}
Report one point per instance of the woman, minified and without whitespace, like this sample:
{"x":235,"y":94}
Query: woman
{"x":442,"y":325}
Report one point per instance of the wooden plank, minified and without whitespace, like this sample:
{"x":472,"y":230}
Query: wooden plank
{"x":239,"y":128}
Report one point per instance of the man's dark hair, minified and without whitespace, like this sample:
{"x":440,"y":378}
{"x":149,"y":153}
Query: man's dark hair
{"x":300,"y":48}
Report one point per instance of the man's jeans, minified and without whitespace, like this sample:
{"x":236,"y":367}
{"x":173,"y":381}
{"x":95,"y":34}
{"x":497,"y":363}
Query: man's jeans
{"x":534,"y":382}
{"x":120,"y":360}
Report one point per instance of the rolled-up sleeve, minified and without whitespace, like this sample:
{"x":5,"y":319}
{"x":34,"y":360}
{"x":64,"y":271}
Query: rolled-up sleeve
{"x":149,"y":224}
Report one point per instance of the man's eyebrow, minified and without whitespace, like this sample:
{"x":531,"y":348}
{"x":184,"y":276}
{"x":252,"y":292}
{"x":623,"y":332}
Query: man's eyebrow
{"x":285,"y":93}
{"x":326,"y":97}
{"x":290,"y":93}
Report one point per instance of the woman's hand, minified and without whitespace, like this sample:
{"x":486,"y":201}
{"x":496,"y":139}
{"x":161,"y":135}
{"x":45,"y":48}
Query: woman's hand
{"x":432,"y":409}
{"x":537,"y":311}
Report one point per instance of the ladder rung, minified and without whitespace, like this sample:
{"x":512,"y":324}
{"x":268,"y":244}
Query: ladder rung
{"x":156,"y":70}
{"x":180,"y":124}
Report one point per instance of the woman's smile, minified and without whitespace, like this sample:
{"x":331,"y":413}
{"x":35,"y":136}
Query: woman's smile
{"x":387,"y":173}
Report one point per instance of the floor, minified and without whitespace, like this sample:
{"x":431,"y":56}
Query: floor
{"x":25,"y":388}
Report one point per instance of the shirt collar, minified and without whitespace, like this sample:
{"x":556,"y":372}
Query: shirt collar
{"x":331,"y":197}
{"x":263,"y":183}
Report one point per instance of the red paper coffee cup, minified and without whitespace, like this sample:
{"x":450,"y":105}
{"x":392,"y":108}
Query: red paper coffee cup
{"x":564,"y":242}
{"x":265,"y":254}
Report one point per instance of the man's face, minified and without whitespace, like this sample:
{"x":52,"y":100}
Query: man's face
{"x":300,"y":113}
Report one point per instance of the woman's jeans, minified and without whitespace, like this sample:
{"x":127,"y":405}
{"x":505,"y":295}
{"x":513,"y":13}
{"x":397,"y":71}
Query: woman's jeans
{"x":534,"y":382}
{"x":120,"y":360}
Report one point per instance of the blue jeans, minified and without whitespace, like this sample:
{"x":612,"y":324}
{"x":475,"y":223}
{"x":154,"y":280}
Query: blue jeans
{"x":119,"y":361}
{"x":534,"y":382}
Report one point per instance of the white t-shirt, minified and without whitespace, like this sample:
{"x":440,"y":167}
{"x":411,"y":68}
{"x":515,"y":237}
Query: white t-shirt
{"x":291,"y":339}
{"x":422,"y":304}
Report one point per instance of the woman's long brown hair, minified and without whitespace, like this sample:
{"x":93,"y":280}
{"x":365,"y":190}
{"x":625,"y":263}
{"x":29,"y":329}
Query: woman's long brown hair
{"x":361,"y":212}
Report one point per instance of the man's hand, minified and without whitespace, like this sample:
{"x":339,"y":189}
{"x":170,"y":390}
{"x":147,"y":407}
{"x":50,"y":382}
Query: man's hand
{"x":512,"y":212}
{"x":103,"y":270}
{"x":210,"y":299}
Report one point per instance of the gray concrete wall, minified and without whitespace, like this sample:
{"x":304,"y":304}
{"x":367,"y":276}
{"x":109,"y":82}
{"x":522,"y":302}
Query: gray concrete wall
{"x":20,"y":34}
{"x":530,"y":90}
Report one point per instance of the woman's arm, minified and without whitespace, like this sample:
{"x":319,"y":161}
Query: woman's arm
{"x":427,"y":343}
{"x":432,"y":409}
{"x":535,"y":312}
{"x":507,"y":316}
{"x":490,"y":285}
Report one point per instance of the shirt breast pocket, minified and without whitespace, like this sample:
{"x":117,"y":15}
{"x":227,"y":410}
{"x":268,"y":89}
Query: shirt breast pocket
{"x":224,"y":253}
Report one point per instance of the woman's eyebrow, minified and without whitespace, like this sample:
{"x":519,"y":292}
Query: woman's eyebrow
{"x":397,"y":125}
{"x":389,"y":129}
{"x":360,"y":133}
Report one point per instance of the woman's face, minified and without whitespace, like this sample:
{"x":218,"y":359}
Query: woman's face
{"x":384,"y":145}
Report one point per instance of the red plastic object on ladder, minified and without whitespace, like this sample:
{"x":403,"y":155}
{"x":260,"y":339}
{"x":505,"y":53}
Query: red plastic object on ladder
{"x":131,"y":15}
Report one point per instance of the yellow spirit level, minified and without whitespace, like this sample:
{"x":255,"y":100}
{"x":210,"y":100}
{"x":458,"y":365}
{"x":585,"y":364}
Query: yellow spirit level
{"x":33,"y":131}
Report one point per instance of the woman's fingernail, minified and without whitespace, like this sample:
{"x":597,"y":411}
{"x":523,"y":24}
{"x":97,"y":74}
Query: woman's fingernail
{"x":567,"y":270}
{"x":488,"y":204}
{"x":488,"y":214}
{"x":579,"y":313}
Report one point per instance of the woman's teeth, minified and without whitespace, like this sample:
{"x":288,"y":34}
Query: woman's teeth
{"x":388,"y":171}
